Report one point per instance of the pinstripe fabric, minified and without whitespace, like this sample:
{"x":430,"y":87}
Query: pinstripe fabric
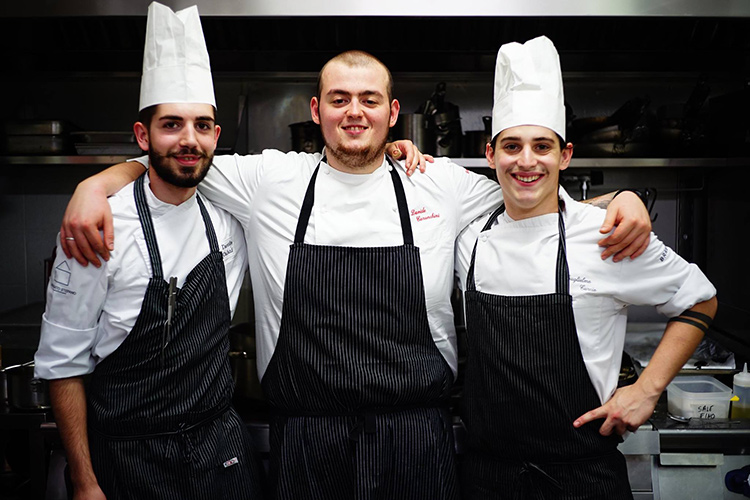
{"x":162,"y":428}
{"x":600,"y":478}
{"x":525,"y":384}
{"x":357,"y":383}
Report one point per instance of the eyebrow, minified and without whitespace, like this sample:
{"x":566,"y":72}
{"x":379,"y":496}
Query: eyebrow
{"x":347,"y":93}
{"x":535,"y":139}
{"x":180,"y":118}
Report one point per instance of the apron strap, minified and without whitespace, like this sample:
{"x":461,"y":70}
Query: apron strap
{"x":308,"y":202}
{"x":144,"y":215}
{"x":213,"y":242}
{"x":471,"y":285}
{"x":562,"y":277}
{"x":403,"y":210}
{"x":562,"y":274}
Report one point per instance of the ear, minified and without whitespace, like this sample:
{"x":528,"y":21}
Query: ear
{"x":141,"y":135}
{"x":489,"y":153}
{"x":395,"y":108}
{"x":217,"y":130}
{"x":314,"y":111}
{"x":567,"y":155}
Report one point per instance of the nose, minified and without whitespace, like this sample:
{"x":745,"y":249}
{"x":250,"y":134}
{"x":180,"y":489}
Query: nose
{"x":527,"y":158}
{"x":188,"y":138}
{"x":354,"y":108}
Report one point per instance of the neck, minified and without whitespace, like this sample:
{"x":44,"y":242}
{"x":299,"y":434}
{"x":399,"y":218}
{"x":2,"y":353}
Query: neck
{"x":517,"y":212}
{"x":166,"y":192}
{"x":353,"y":163}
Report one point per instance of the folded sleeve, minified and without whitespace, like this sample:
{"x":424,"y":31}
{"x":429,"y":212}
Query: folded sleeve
{"x":75,"y":297}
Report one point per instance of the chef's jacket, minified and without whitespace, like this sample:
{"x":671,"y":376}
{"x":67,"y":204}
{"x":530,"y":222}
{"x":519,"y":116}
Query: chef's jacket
{"x":518,"y":258}
{"x":265,"y":192}
{"x":91,"y":310}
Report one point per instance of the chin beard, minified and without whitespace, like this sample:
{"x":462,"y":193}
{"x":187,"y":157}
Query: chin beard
{"x":357,"y":158}
{"x":175,"y":175}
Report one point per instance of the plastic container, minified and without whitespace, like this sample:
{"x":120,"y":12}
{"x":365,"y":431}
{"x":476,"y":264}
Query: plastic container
{"x":698,"y":396}
{"x":741,"y":383}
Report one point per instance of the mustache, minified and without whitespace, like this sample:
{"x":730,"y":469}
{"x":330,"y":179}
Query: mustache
{"x":187,"y":151}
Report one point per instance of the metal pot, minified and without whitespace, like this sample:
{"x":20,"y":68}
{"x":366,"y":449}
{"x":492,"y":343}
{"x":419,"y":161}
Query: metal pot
{"x":418,"y":128}
{"x":306,"y":137}
{"x":475,"y":141}
{"x":449,"y":135}
{"x":25,"y":392}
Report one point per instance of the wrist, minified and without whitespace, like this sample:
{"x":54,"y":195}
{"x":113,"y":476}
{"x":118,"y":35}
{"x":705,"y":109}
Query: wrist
{"x":638,"y":193}
{"x":650,"y":389}
{"x":93,"y":186}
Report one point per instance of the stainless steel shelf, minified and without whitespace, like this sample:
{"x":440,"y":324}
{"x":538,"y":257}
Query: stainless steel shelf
{"x":64,"y":160}
{"x":464,"y":162}
{"x":630,"y":162}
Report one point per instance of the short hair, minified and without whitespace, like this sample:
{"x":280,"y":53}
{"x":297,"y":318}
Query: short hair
{"x":146,"y":115}
{"x":357,"y":58}
{"x":560,"y":140}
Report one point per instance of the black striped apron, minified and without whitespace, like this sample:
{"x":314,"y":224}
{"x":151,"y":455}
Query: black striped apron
{"x":161,"y":424}
{"x":525,"y":384}
{"x":358,"y":387}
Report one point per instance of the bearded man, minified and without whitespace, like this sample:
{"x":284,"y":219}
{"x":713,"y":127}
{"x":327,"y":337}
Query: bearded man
{"x":136,"y":351}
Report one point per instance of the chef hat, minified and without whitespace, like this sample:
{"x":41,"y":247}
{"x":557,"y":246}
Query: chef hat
{"x":175,"y":58}
{"x":528,"y":87}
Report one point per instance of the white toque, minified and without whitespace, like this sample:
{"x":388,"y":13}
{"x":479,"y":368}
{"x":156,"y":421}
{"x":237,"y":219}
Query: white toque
{"x":528,"y":87}
{"x":175,"y":59}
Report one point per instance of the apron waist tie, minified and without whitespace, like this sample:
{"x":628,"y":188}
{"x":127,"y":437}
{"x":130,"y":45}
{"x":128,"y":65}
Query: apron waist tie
{"x":366,"y":420}
{"x":183,"y":427}
{"x":364,"y":423}
{"x":530,"y":473}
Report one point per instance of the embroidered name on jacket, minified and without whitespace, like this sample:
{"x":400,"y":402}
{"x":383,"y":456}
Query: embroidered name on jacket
{"x":421,"y":214}
{"x":582,"y":283}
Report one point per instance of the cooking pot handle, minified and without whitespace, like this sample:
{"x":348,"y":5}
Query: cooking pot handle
{"x":8,"y":368}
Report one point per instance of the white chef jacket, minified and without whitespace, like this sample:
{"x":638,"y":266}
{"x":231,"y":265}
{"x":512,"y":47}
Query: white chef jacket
{"x":91,"y":310}
{"x":516,"y":258}
{"x":265,"y":192}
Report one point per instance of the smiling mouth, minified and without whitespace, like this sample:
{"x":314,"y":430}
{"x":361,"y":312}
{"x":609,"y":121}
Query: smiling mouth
{"x":526,"y":178}
{"x":190,"y":159}
{"x":355,"y":128}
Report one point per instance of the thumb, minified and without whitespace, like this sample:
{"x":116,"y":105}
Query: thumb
{"x":109,"y":233}
{"x":609,"y":223}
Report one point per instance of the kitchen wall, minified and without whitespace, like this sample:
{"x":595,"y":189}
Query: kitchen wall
{"x":33,"y":197}
{"x":87,"y":71}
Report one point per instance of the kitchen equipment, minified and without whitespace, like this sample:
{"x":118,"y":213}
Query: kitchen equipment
{"x":741,"y":388}
{"x":244,"y":366}
{"x":446,"y":120}
{"x":448,"y":131}
{"x":306,"y":137}
{"x":626,"y":132}
{"x":681,"y":130}
{"x":38,"y":137}
{"x":698,"y":396}
{"x":25,"y":392}
{"x":105,"y":143}
{"x":475,"y":141}
{"x":418,"y":128}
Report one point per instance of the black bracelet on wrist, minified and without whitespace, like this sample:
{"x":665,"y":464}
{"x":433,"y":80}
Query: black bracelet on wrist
{"x":642,"y":196}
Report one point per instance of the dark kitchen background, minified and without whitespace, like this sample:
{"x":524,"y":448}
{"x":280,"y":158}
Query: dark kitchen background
{"x":658,"y":99}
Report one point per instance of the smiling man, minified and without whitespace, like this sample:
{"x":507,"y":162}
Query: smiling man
{"x":149,"y":330}
{"x":356,"y":344}
{"x":546,"y":318}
